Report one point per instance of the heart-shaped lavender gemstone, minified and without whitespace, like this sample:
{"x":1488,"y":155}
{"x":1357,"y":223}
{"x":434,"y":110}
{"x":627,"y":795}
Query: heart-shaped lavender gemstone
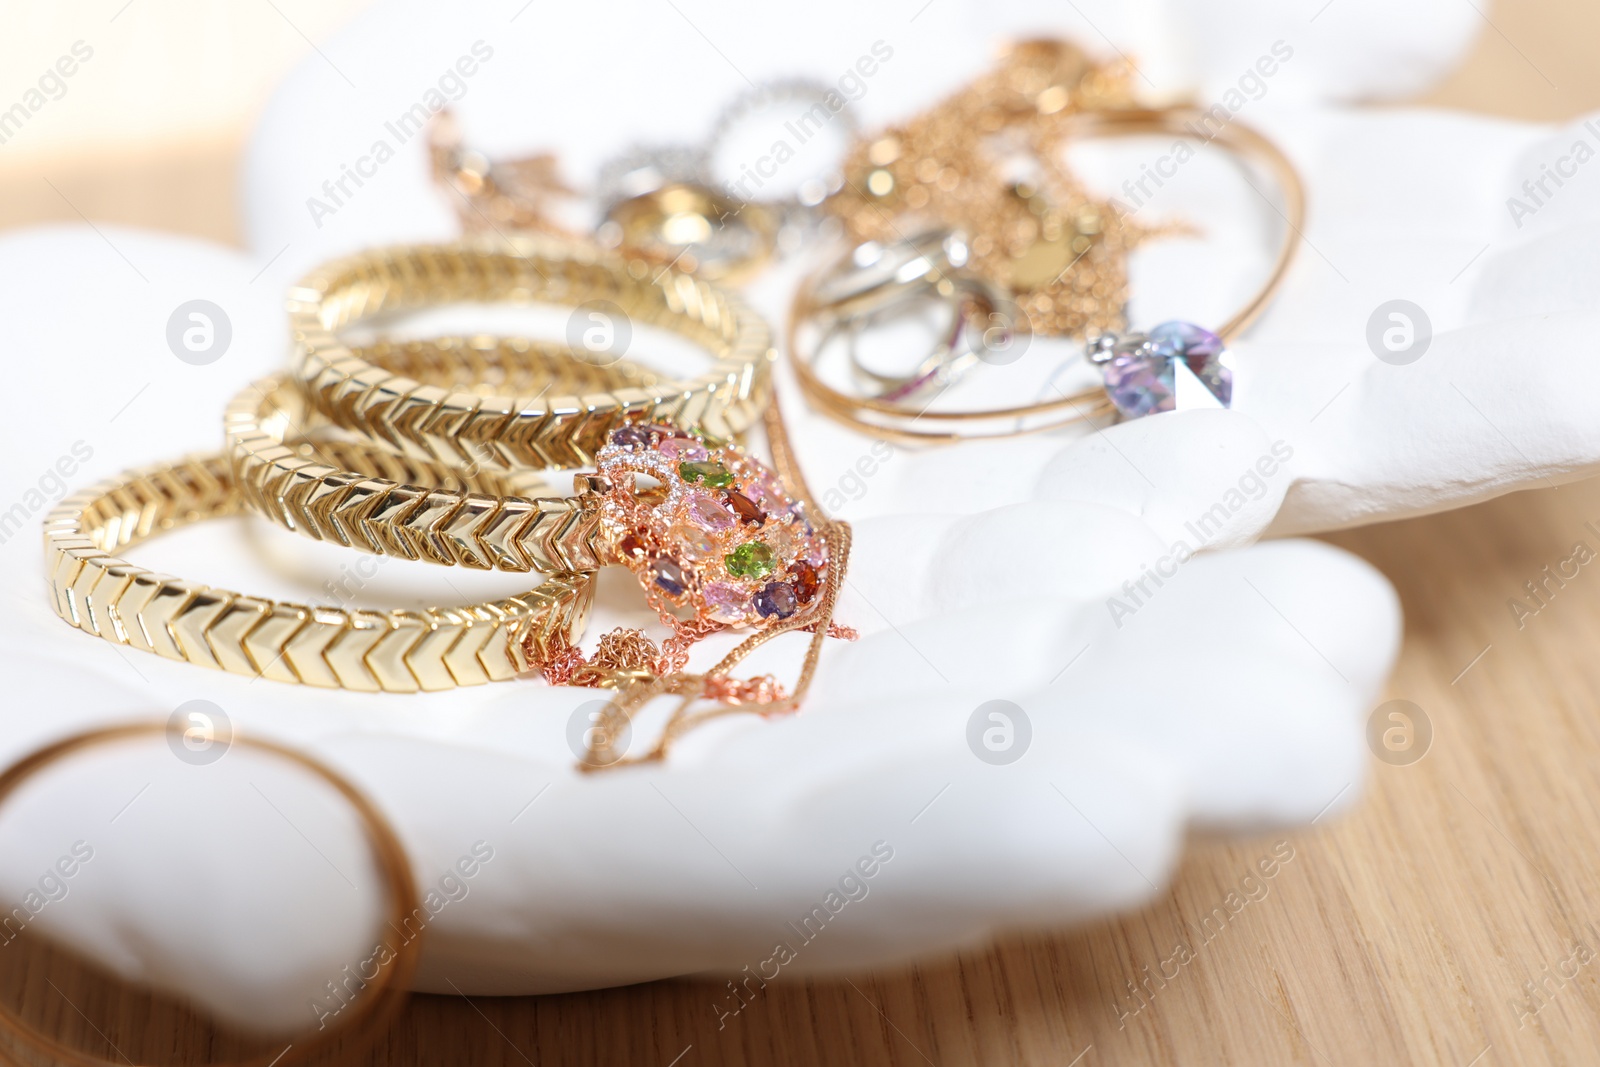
{"x":1142,"y":371}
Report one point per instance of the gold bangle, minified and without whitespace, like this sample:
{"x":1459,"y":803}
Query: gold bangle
{"x":385,"y":993}
{"x":895,"y":421}
{"x":1245,"y":142}
{"x":365,"y":497}
{"x":394,"y":651}
{"x":491,"y":364}
{"x":448,"y":423}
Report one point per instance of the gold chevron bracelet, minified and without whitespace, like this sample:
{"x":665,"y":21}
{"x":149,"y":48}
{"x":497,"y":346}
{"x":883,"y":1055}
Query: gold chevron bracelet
{"x":389,"y":651}
{"x":436,"y":409}
{"x":375,"y":500}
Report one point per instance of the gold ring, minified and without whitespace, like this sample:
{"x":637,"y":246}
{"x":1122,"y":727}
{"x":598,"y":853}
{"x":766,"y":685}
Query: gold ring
{"x":392,"y":983}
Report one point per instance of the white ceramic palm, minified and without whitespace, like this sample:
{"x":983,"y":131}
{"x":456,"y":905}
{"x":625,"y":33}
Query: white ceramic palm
{"x":1145,"y":691}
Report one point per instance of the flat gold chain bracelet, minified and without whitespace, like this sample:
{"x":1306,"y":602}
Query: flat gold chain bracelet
{"x":365,"y":497}
{"x":390,"y":651}
{"x":445,"y":419}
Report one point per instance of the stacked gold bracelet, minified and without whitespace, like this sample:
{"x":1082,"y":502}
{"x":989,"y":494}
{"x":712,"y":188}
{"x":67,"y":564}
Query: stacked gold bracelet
{"x":433,"y":450}
{"x":420,"y":406}
{"x":717,"y":540}
{"x":390,"y":505}
{"x":393,"y":651}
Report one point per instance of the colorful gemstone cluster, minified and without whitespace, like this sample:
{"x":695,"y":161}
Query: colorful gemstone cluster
{"x":1175,"y":366}
{"x":715,"y":534}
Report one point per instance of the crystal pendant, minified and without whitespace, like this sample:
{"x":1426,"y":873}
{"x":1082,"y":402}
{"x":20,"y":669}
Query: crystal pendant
{"x":1177,"y":366}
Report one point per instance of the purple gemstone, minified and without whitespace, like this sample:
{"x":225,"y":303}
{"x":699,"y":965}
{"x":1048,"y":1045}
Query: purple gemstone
{"x":1202,"y":351}
{"x":669,"y":577}
{"x":776,"y":600}
{"x":631,"y":436}
{"x":1139,"y":382}
{"x":1141,"y":375}
{"x":1186,"y":339}
{"x":706,"y":512}
{"x":726,"y":603}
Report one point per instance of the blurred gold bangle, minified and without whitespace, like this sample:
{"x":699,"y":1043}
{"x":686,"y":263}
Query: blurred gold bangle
{"x":444,"y":419}
{"x":390,"y":651}
{"x":896,"y":421}
{"x":369,"y":498}
{"x":382,"y":996}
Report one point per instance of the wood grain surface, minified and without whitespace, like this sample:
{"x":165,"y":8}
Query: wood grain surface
{"x":1404,"y":932}
{"x":1452,"y":918}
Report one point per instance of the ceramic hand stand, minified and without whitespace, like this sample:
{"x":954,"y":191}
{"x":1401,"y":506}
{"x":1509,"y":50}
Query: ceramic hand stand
{"x":697,"y":864}
{"x":1233,"y":696}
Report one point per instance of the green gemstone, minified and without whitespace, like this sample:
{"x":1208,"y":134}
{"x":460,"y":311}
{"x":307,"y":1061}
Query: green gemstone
{"x":705,"y":472}
{"x":752,"y":560}
{"x":709,"y":439}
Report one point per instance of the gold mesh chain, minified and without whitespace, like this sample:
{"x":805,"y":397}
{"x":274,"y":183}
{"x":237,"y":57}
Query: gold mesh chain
{"x":1059,"y":249}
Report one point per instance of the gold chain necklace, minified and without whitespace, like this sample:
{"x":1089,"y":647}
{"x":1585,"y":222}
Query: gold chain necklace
{"x":988,"y":161}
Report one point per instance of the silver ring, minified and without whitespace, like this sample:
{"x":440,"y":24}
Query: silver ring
{"x":876,"y":281}
{"x":812,"y":191}
{"x":874,"y":270}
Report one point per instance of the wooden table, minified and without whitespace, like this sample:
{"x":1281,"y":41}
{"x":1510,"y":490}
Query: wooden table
{"x":1408,"y":931}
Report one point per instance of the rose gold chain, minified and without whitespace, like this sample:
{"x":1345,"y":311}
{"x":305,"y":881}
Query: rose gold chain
{"x":628,"y":661}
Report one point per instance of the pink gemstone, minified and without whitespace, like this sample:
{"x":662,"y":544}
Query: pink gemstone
{"x":771,"y":490}
{"x":679,"y":449}
{"x":726,"y":603}
{"x":710,"y":514}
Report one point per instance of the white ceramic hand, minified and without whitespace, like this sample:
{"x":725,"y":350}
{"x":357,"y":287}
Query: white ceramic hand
{"x":1232,"y":694}
{"x":696,"y":865}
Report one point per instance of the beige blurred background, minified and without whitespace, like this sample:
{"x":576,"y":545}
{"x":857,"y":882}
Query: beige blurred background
{"x":165,"y":104}
{"x":175,"y":85}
